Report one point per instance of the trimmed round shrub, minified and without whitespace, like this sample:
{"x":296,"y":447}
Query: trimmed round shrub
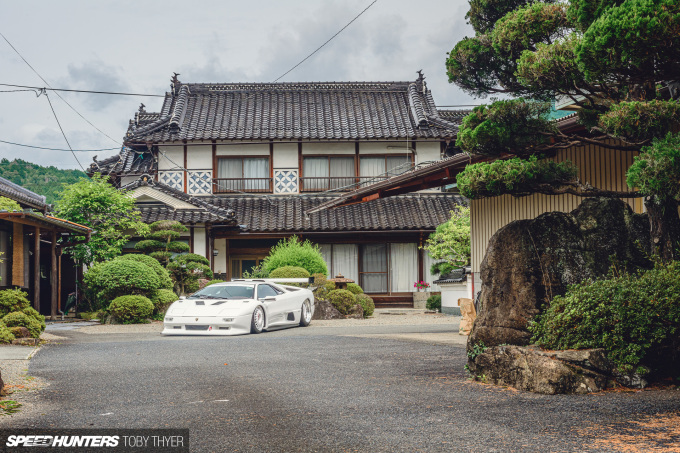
{"x":6,"y":335}
{"x":13,"y":300}
{"x":33,"y":313}
{"x":329,"y":286}
{"x":131,"y":309}
{"x":121,"y":277}
{"x":289,"y":272}
{"x":162,"y":298}
{"x":343,"y":300}
{"x":163,"y":274}
{"x":319,"y":279}
{"x":293,"y":252}
{"x":354,"y":288}
{"x":366,"y":303}
{"x":191,"y":287}
{"x":434,"y":303}
{"x":20,"y":319}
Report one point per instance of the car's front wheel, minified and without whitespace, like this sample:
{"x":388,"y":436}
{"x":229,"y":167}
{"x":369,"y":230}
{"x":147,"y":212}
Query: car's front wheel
{"x":306,"y":314}
{"x":257,"y":323}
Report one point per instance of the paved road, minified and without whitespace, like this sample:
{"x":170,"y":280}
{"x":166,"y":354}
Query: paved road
{"x":318,"y":389}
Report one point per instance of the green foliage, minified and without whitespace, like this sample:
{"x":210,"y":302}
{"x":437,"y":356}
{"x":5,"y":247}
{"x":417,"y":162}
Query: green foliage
{"x":212,"y":282}
{"x":256,"y":272}
{"x":584,"y":12}
{"x":516,"y":176}
{"x":131,"y":309}
{"x":163,"y":274}
{"x":442,"y":268}
{"x":162,"y":241}
{"x":451,"y":240}
{"x":6,"y":335}
{"x":476,"y":350}
{"x":33,"y":313}
{"x":293,"y":252}
{"x":45,"y":181}
{"x":656,"y":171}
{"x":21,"y":319}
{"x":641,"y":120}
{"x":513,"y":126}
{"x":434,"y":303}
{"x":119,"y":277}
{"x":108,"y":211}
{"x":354,"y":288}
{"x":161,"y":299}
{"x":13,"y":300}
{"x":187,"y":269}
{"x":319,"y":279}
{"x":551,"y":67}
{"x":9,"y":205}
{"x":289,"y":272}
{"x":630,"y":316}
{"x":342,"y":299}
{"x":366,"y":303}
{"x":484,"y":14}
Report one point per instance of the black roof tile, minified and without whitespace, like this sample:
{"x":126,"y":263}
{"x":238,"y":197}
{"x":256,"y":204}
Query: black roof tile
{"x":21,"y":195}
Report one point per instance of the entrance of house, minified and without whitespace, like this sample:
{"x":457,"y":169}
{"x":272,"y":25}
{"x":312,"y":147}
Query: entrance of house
{"x":244,"y":263}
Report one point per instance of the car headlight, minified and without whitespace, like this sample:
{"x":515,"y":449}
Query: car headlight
{"x":228,"y":319}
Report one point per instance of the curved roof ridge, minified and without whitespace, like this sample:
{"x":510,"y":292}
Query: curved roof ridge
{"x":416,"y":105}
{"x":180,"y":107}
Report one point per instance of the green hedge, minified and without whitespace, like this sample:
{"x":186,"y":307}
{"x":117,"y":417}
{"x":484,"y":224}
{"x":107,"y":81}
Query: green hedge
{"x":131,"y":309}
{"x":120,"y":277}
{"x":21,"y":319}
{"x":163,"y":274}
{"x":289,"y":272}
{"x":354,"y":288}
{"x":161,"y":299}
{"x":366,"y":303}
{"x":293,"y":252}
{"x":343,"y":300}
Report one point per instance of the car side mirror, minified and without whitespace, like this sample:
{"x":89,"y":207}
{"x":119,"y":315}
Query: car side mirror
{"x":182,"y":297}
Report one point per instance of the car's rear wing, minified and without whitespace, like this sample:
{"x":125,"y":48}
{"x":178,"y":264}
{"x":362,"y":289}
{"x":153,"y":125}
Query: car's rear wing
{"x":309,"y":280}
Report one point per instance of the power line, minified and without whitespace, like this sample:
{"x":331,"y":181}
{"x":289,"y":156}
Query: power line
{"x":329,"y":40}
{"x":62,"y":131}
{"x":58,"y":149}
{"x":57,"y":93}
{"x":118,"y":93}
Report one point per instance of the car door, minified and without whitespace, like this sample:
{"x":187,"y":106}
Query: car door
{"x":275,"y":308}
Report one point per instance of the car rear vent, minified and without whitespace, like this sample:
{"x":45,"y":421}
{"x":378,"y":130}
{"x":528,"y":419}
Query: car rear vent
{"x":196,"y":327}
{"x":225,"y":328}
{"x":177,"y":327}
{"x":219,"y":303}
{"x":200,"y":302}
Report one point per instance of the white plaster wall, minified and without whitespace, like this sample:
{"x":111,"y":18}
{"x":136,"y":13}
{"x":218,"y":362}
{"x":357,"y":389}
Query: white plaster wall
{"x":199,"y":242}
{"x":199,"y":157}
{"x":259,"y":149}
{"x":221,"y":258}
{"x":401,"y":147}
{"x":328,"y":148}
{"x":285,"y":155}
{"x":427,"y":151}
{"x":174,"y":159}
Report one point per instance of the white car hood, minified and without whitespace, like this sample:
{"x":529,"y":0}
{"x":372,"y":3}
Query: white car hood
{"x":208,"y":307}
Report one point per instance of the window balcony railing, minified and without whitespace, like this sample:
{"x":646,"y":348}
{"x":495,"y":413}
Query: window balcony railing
{"x":339,"y":183}
{"x":248,"y":185}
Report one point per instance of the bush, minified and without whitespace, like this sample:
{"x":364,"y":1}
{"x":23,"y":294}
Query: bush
{"x":161,"y":299}
{"x":16,"y":331}
{"x":33,"y":313}
{"x":212,"y":282}
{"x":293,"y":252}
{"x":354,"y":288}
{"x":119,"y":277}
{"x":319,"y":280}
{"x":366,"y":303}
{"x":343,"y":300}
{"x":6,"y":335}
{"x":289,"y":272}
{"x":13,"y":300}
{"x":635,"y":318}
{"x":434,"y":302}
{"x":20,"y":319}
{"x":131,"y":309}
{"x":163,"y":274}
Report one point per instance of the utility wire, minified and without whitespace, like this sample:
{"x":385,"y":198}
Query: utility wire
{"x":62,"y":131}
{"x":58,"y":149}
{"x":329,"y":40}
{"x":118,"y":93}
{"x":57,"y":93}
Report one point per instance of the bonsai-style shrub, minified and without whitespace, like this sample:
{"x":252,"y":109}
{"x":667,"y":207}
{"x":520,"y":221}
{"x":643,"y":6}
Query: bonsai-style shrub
{"x":293,"y":252}
{"x":20,"y":319}
{"x":366,"y":303}
{"x":131,"y":309}
{"x":187,"y":269}
{"x":119,"y":277}
{"x":161,"y":242}
{"x":163,"y":274}
{"x":434,"y":303}
{"x":635,"y":318}
{"x":343,"y":300}
{"x":161,"y":299}
{"x":13,"y":300}
{"x":289,"y":272}
{"x":354,"y":288}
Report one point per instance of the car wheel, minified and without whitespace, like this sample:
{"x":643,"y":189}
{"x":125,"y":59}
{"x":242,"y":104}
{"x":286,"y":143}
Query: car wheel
{"x":305,"y":314}
{"x":257,"y":323}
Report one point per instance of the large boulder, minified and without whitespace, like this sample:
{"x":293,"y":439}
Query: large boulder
{"x":528,"y":262}
{"x":323,"y":309}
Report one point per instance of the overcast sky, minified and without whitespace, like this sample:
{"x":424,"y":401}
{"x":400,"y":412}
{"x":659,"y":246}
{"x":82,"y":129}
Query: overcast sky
{"x":135,"y":46}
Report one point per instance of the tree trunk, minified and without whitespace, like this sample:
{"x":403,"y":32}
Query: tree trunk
{"x":664,"y":224}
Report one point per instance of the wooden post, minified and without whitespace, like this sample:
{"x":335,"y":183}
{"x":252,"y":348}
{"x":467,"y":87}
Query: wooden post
{"x":53,"y":277}
{"x":36,"y":270}
{"x":59,"y":281}
{"x":18,"y":255}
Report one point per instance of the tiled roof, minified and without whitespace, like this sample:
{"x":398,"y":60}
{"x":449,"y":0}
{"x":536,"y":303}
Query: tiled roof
{"x":264,"y":111}
{"x":455,"y":116}
{"x":127,"y":161}
{"x":288,"y":214}
{"x":152,"y":214}
{"x":21,"y":195}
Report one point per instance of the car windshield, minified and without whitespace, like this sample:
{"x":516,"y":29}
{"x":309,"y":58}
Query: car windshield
{"x":225,"y":292}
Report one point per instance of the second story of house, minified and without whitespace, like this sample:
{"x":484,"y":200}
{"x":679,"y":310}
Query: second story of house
{"x":283,"y":138}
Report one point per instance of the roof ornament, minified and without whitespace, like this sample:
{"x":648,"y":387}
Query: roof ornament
{"x":145,"y":179}
{"x":175,"y":83}
{"x":141,"y":108}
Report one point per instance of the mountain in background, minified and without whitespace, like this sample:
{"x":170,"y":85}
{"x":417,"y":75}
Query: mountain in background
{"x":41,"y":180}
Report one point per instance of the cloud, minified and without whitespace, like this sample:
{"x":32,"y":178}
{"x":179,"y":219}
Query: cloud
{"x":95,"y":75}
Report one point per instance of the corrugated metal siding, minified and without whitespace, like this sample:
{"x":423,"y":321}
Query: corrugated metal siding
{"x":602,"y":168}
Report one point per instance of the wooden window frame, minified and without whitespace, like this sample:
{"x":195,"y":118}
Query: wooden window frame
{"x":241,"y":158}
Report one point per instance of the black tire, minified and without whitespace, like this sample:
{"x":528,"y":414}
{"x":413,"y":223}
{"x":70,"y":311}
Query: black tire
{"x":305,"y":313}
{"x":257,"y":321}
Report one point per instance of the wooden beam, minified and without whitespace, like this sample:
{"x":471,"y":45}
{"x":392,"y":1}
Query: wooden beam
{"x":18,"y":255}
{"x":36,"y":269}
{"x":53,"y":278}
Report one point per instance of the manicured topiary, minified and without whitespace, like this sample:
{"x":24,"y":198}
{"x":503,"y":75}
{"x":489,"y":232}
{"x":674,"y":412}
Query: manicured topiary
{"x":289,"y":272}
{"x":329,"y":286}
{"x":163,"y":274}
{"x":13,"y":300}
{"x":120,"y":277}
{"x":161,"y":299}
{"x":6,"y":335}
{"x":354,"y":288}
{"x":187,"y":269}
{"x":20,"y":319}
{"x":319,"y":279}
{"x":434,"y":303}
{"x":293,"y":252}
{"x":131,"y":309}
{"x":366,"y":303}
{"x":343,"y":300}
{"x":33,"y":313}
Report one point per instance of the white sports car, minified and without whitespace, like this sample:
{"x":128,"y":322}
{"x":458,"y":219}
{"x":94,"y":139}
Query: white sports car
{"x":240,"y":307}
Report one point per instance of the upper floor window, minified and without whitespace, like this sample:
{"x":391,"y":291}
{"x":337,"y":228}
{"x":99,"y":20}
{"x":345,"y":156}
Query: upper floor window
{"x":327,"y":172}
{"x":243,"y":174}
{"x":372,"y":166}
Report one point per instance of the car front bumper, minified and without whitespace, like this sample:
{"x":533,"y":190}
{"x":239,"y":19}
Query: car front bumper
{"x":207,"y":325}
